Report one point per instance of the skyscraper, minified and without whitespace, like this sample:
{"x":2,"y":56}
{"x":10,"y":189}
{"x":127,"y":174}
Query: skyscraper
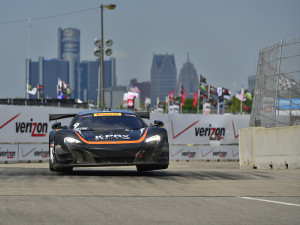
{"x":82,"y":77}
{"x":69,"y":49}
{"x":188,"y":78}
{"x":163,"y":77}
{"x":89,"y":78}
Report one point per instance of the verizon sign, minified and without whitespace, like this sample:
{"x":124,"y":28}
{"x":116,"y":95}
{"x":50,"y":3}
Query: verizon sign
{"x":28,"y":124}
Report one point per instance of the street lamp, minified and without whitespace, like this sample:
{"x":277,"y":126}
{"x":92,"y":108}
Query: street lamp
{"x":101,"y":56}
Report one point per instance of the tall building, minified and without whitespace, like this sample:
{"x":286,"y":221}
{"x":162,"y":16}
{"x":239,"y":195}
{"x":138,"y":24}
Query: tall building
{"x":69,"y":49}
{"x":82,"y":77}
{"x":163,"y":77}
{"x":88,"y":79}
{"x":188,"y":78}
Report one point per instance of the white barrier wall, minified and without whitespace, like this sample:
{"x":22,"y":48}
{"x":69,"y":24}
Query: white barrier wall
{"x":272,"y":148}
{"x":23,"y":152}
{"x":21,"y":124}
{"x":227,"y":152}
{"x":198,"y":129}
{"x":24,"y":133}
{"x":190,"y":135}
{"x":8,"y":153}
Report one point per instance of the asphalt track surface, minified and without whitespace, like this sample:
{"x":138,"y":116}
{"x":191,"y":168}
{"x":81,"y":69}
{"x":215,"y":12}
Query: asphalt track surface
{"x":186,"y":193}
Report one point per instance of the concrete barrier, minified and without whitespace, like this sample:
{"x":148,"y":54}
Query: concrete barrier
{"x":270,"y":148}
{"x":246,"y":148}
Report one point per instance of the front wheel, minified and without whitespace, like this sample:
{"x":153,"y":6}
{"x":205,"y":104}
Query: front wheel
{"x":52,"y":161}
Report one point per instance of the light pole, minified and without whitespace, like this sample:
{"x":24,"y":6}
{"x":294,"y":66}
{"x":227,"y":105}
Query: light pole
{"x":101,"y":58}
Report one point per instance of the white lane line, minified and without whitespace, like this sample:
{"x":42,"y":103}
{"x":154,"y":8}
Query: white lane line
{"x":264,"y":200}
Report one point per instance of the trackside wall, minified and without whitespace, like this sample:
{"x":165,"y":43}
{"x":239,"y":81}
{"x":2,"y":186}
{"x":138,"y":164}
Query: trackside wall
{"x":270,"y":148}
{"x":24,"y":133}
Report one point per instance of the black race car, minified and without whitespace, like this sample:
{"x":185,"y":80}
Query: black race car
{"x":107,"y":138}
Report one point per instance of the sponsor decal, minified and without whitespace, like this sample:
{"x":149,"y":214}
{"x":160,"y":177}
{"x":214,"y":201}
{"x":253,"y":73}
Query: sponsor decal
{"x":36,"y":129}
{"x":8,"y":154}
{"x":189,"y":154}
{"x":113,"y":142}
{"x":107,"y":114}
{"x":75,"y":127}
{"x":210,"y":131}
{"x":220,"y":153}
{"x":41,"y":153}
{"x":112,"y":136}
{"x":38,"y":153}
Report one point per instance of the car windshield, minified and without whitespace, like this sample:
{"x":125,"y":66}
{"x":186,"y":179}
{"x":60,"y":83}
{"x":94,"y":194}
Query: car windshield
{"x":107,"y":121}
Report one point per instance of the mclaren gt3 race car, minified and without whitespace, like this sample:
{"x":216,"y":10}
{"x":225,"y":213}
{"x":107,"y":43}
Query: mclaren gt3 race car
{"x":107,"y":138}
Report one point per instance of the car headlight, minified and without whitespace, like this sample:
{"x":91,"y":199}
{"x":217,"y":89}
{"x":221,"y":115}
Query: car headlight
{"x":69,"y":140}
{"x":155,"y":138}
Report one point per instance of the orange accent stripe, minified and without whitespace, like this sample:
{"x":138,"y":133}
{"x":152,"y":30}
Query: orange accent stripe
{"x":112,"y":142}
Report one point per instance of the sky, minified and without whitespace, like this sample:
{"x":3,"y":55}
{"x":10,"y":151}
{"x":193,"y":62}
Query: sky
{"x":222,"y":37}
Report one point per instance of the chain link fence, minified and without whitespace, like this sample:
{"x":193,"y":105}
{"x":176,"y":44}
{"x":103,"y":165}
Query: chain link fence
{"x":276,"y":100}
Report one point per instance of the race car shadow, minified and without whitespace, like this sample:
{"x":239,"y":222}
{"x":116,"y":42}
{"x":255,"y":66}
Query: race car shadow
{"x":168,"y":174}
{"x":115,"y":173}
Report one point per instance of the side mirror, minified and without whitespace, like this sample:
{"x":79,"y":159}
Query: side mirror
{"x":56,"y":126}
{"x":158,"y":123}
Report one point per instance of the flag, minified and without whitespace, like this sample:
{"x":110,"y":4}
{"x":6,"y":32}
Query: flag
{"x":195,"y":99}
{"x":203,"y":91}
{"x":246,"y":107}
{"x":183,"y":99}
{"x":31,"y":90}
{"x":226,"y":92}
{"x":131,"y":97}
{"x":214,"y":99}
{"x":213,"y":90}
{"x":181,"y":90}
{"x":63,"y":89}
{"x":203,"y":87}
{"x":248,"y":95}
{"x":240,"y":95}
{"x":202,"y":79}
{"x":134,"y":88}
{"x":171,"y":95}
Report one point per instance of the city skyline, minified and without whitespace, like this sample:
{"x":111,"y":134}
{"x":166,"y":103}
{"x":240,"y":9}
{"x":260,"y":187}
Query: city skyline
{"x":223,"y":38}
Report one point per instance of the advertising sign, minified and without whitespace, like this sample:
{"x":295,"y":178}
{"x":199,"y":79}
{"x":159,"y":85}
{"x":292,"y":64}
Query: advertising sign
{"x":21,"y":124}
{"x":33,"y":152}
{"x":8,"y":153}
{"x":226,"y":152}
{"x":287,"y":104}
{"x":200,"y":129}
